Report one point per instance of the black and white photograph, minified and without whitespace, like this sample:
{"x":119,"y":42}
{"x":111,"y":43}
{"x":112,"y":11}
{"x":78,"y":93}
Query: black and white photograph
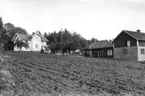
{"x":72,"y":47}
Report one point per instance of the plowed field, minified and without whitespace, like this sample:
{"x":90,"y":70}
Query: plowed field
{"x":46,"y":73}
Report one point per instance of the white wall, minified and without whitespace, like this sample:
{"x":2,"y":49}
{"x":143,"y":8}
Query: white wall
{"x":16,"y":49}
{"x":36,"y":40}
{"x":44,"y":43}
{"x":141,"y":57}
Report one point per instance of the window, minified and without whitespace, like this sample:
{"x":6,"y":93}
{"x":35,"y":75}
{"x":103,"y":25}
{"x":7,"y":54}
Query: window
{"x":142,"y":51}
{"x":128,"y":43}
{"x":37,"y":37}
{"x":109,"y":52}
{"x":36,"y":45}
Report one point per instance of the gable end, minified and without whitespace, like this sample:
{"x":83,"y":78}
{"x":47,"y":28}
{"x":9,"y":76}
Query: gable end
{"x":129,"y":34}
{"x":13,"y":39}
{"x":123,"y":38}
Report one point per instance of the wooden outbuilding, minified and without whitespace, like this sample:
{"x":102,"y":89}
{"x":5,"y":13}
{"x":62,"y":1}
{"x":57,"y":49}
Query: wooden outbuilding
{"x":100,"y":49}
{"x":130,"y":45}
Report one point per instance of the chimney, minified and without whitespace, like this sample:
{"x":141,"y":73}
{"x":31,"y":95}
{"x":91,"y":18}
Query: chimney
{"x":138,"y":30}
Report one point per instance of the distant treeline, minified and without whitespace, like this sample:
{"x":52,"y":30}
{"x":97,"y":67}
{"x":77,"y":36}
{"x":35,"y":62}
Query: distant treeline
{"x":65,"y":41}
{"x":62,"y":40}
{"x":7,"y":31}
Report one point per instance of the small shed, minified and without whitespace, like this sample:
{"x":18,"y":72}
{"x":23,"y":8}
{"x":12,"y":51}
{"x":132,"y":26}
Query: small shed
{"x":100,"y":49}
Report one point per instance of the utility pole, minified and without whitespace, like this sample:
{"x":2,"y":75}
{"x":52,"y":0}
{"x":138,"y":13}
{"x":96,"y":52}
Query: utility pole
{"x":61,"y":40}
{"x":87,"y":43}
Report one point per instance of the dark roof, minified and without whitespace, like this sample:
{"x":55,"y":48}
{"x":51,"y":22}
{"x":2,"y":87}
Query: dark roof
{"x":135,"y":34}
{"x":43,"y":38}
{"x":24,"y":36}
{"x":101,"y":44}
{"x":27,"y":37}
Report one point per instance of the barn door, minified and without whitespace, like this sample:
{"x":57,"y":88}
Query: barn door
{"x":102,"y":53}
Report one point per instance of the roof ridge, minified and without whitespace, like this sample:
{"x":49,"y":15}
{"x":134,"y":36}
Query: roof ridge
{"x":134,"y":31}
{"x":127,"y":32}
{"x":102,"y":41}
{"x":23,"y":34}
{"x":136,"y":35}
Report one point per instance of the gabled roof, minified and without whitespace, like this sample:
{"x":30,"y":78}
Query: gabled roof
{"x":136,"y":35}
{"x":42,"y":38}
{"x":27,"y":37}
{"x":24,"y":36}
{"x":101,"y":44}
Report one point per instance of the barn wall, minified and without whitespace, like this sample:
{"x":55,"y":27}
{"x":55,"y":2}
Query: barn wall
{"x":121,"y":40}
{"x":87,"y":53}
{"x":102,"y":52}
{"x":126,"y":53}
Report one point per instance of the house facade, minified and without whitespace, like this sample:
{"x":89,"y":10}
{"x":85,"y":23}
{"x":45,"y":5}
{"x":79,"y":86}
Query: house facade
{"x":129,"y":45}
{"x":36,"y":41}
{"x":100,"y":49}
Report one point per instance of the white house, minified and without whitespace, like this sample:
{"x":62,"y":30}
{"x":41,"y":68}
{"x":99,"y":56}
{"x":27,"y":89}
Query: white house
{"x":35,"y":41}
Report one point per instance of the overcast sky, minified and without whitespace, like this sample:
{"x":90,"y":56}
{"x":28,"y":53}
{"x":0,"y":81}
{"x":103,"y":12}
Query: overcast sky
{"x":102,"y":19}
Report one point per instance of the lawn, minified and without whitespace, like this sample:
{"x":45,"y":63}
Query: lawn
{"x":47,"y":73}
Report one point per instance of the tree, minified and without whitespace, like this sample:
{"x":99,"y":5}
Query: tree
{"x":93,"y":40}
{"x":1,"y":23}
{"x":69,"y":42}
{"x":7,"y":31}
{"x":45,"y":35}
{"x":2,"y":33}
{"x":21,"y":43}
{"x":1,"y":28}
{"x":9,"y":45}
{"x":20,"y":30}
{"x":11,"y":30}
{"x":8,"y":26}
{"x":82,"y":42}
{"x":3,"y":38}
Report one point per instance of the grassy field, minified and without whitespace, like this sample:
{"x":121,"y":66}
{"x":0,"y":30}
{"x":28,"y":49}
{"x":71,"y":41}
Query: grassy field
{"x":48,"y":73}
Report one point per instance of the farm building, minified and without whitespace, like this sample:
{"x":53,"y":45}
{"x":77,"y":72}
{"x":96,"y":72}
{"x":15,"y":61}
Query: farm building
{"x":36,"y":41}
{"x":86,"y":52}
{"x":100,"y":49}
{"x":129,"y":45}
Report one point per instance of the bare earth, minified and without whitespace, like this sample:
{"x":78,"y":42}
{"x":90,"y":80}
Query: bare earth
{"x":31,"y":74}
